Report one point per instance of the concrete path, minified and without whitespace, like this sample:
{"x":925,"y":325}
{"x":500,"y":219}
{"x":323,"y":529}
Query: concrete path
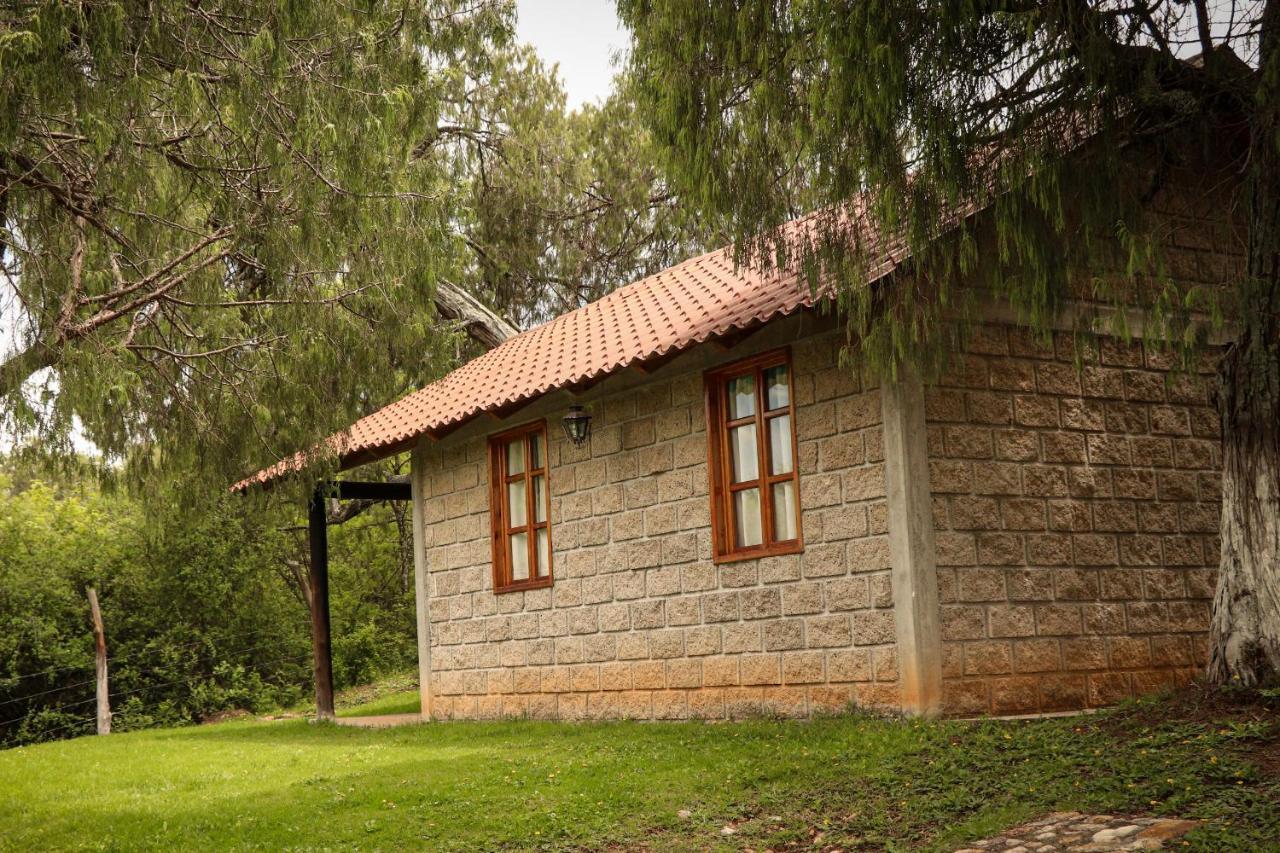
{"x":385,"y":721}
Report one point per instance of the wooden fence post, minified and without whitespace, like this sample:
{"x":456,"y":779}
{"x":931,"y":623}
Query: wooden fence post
{"x":100,"y":664}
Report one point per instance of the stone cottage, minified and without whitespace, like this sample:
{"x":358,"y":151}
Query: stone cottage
{"x":747,"y":527}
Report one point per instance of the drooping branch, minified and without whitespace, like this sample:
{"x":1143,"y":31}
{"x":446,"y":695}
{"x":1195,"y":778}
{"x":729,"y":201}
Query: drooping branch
{"x":212,"y":230}
{"x":19,"y":366}
{"x":483,"y":325}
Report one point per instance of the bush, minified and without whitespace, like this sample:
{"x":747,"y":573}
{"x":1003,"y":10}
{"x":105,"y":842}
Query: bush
{"x":203,"y":606}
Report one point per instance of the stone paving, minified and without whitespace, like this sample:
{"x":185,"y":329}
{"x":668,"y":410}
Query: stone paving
{"x":1076,"y":832}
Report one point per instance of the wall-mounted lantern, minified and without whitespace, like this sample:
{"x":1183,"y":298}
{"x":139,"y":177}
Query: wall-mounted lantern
{"x":577,"y":425}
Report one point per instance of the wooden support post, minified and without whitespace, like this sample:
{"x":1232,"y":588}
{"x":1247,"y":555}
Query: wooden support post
{"x":321,"y":650}
{"x":100,"y":664}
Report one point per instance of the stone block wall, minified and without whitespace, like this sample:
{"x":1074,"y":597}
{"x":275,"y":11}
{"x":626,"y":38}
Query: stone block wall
{"x":640,"y":622}
{"x":1077,"y":516}
{"x":1075,"y":500}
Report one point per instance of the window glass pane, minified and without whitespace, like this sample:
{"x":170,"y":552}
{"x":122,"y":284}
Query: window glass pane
{"x":535,"y":451}
{"x":539,"y":498}
{"x":777,"y":387}
{"x":519,"y":556}
{"x":746,"y":510}
{"x":784,"y":511}
{"x":516,"y":516}
{"x":742,"y":396}
{"x":746,"y":460}
{"x":780,"y":461}
{"x":515,"y":456}
{"x":544,"y":552}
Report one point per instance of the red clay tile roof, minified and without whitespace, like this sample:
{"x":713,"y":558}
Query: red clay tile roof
{"x":687,"y":304}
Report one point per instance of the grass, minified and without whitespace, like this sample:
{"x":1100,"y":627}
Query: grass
{"x":855,"y":782}
{"x":399,"y":702}
{"x":396,"y":694}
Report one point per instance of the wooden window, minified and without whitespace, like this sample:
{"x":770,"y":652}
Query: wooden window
{"x":751,"y":445}
{"x":520,"y":508}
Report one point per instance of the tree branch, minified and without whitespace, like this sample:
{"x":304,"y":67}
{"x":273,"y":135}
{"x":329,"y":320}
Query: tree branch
{"x":487,"y":328}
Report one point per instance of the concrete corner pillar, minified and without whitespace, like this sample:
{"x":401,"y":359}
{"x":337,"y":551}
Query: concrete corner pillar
{"x":912,"y":547}
{"x":421,"y":580}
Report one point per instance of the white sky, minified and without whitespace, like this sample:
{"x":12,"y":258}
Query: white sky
{"x":582,"y":36}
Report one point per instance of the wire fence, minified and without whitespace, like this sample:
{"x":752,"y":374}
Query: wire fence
{"x":138,"y":692}
{"x":125,"y":658}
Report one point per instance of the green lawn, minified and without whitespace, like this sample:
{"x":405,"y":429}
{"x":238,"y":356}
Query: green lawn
{"x":862,"y":782}
{"x":400,"y":702}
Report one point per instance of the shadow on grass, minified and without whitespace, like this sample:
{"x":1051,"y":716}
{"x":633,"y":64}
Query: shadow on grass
{"x":483,"y":785}
{"x":300,"y":730}
{"x":406,"y":803}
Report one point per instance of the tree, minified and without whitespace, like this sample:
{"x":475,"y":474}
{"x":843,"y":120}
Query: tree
{"x":236,"y":228}
{"x":936,"y":109}
{"x":564,"y":205}
{"x":215,"y":214}
{"x":205,"y":611}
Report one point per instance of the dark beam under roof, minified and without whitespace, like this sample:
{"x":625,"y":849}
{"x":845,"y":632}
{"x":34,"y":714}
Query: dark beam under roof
{"x":349,"y":490}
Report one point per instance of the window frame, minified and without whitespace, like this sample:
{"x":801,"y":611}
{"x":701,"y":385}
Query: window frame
{"x":719,"y":458}
{"x":499,"y":523}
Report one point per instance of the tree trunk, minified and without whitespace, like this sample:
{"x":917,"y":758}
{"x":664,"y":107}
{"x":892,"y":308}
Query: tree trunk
{"x":1245,"y":632}
{"x":1245,"y":629}
{"x":1245,"y":637}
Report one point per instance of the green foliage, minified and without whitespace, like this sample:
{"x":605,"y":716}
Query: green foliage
{"x":220,"y":222}
{"x":221,"y":228}
{"x":371,"y":589}
{"x":323,"y":169}
{"x":202,"y":606}
{"x":194,"y":623}
{"x":861,"y":782}
{"x":52,"y":547}
{"x":565,"y":205}
{"x":898,"y":120}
